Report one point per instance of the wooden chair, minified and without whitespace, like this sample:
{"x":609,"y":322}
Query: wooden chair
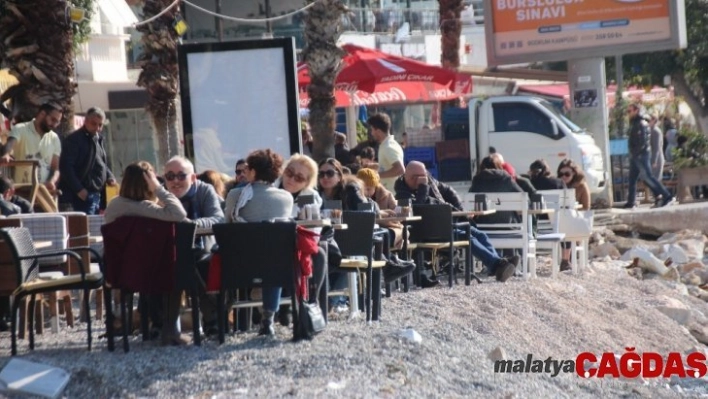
{"x":25,"y":174}
{"x":248,"y":258}
{"x":26,"y":261}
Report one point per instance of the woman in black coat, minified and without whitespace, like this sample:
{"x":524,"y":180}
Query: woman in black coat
{"x":492,"y":178}
{"x":540,"y":175}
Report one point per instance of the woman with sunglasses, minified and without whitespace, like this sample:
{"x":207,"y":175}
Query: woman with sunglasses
{"x":573,"y":177}
{"x":141,"y":194}
{"x":260,"y":201}
{"x":300,"y":178}
{"x":333,"y":184}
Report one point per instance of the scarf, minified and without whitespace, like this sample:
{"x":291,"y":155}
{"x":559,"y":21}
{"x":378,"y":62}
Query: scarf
{"x":245,"y":196}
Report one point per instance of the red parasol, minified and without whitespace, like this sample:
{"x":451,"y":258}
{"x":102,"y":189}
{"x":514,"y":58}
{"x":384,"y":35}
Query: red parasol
{"x":365,"y":68}
{"x":373,"y":77}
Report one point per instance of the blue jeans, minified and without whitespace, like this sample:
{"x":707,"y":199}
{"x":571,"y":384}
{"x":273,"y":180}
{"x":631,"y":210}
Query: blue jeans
{"x":639,"y":167}
{"x":271,"y":298}
{"x":483,"y":250}
{"x":90,"y":206}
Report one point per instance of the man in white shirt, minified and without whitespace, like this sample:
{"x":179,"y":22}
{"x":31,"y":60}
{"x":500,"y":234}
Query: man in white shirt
{"x":390,"y":152}
{"x":36,"y":140}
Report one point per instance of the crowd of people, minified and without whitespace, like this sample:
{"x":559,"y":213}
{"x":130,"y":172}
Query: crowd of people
{"x":265,"y":187}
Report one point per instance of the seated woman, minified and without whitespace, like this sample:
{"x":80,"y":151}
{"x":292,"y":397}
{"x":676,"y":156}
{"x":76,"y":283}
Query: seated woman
{"x":375,"y":191}
{"x":540,"y":176}
{"x":492,"y":178}
{"x":335,"y":185}
{"x":256,"y":202}
{"x":300,"y":178}
{"x":141,"y":194}
{"x":213,"y":178}
{"x":573,"y":177}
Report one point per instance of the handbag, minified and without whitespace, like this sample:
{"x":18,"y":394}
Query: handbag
{"x":571,"y":222}
{"x":310,"y":321}
{"x":213,"y":282}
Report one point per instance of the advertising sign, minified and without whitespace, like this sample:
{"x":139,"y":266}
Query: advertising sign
{"x":238,"y":97}
{"x":549,"y":30}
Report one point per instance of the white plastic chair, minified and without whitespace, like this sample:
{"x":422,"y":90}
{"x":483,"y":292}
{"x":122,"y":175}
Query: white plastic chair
{"x":510,"y":235}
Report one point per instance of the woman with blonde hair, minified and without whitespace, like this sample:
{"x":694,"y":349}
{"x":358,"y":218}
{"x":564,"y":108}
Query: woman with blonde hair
{"x":374,"y":190}
{"x":300,"y":178}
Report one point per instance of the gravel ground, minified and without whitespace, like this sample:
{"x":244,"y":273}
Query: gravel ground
{"x":601,"y":310}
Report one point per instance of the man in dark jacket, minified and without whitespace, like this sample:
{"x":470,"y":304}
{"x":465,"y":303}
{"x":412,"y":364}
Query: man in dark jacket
{"x":202,"y":205}
{"x":639,"y":154}
{"x":84,"y":167}
{"x":416,"y":184}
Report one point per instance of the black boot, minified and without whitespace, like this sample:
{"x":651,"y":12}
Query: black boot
{"x":267,"y":328}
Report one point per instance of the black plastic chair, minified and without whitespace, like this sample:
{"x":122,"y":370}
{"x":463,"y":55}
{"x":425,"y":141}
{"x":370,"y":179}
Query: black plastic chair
{"x":256,"y":254}
{"x":26,"y":260}
{"x":436,"y":232}
{"x":358,"y":240}
{"x":188,"y":278}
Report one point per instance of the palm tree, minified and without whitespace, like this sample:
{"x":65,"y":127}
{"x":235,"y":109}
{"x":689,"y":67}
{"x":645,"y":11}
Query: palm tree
{"x":160,"y":75}
{"x":450,"y":30}
{"x":37,"y":46}
{"x":323,"y":25}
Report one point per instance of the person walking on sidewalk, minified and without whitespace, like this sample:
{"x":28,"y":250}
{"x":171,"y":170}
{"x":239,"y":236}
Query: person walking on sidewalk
{"x":639,"y":162}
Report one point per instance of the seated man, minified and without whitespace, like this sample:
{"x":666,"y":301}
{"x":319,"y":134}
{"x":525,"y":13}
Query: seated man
{"x":416,"y":184}
{"x":203,"y":207}
{"x":10,"y":203}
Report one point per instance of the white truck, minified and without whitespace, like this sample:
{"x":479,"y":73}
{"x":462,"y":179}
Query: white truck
{"x":524,"y":129}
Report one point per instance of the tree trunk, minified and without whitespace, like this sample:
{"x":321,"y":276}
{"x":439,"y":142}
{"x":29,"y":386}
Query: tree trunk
{"x":36,"y":47}
{"x":160,"y":76}
{"x":324,"y":61}
{"x":450,"y":31}
{"x":682,"y":89}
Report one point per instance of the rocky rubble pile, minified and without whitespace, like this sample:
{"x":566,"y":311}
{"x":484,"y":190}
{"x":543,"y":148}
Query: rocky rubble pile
{"x":678,"y":260}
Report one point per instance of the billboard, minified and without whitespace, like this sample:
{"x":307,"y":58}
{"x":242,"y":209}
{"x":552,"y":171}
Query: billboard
{"x":553,"y":30}
{"x":238,"y":97}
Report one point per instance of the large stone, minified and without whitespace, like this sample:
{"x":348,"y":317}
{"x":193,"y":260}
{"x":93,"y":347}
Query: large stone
{"x":689,"y":267}
{"x":672,"y":275}
{"x":700,"y":333}
{"x":691,"y":279}
{"x":692,"y":242}
{"x":667,"y":219}
{"x":675,"y":309}
{"x":603,"y":250}
{"x":497,"y":354}
{"x":674,"y":251}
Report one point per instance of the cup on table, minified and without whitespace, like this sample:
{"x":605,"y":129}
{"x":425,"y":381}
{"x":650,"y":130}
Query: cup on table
{"x":336,"y":216}
{"x":407,"y":211}
{"x":326,"y":214}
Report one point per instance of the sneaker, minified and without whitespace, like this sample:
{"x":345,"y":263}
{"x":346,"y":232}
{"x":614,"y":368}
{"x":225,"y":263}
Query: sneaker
{"x":393,"y":272}
{"x":669,"y":202}
{"x":504,"y":270}
{"x":427,"y":282}
{"x":629,"y":206}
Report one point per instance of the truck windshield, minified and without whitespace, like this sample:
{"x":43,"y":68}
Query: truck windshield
{"x":572,"y":126}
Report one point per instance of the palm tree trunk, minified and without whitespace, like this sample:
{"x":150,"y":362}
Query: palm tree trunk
{"x":37,"y":48}
{"x":450,"y":30}
{"x":324,"y":61}
{"x":160,"y":76}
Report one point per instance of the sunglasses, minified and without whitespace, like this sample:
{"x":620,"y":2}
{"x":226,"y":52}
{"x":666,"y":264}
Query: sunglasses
{"x":326,"y":173}
{"x":239,"y":172}
{"x":295,"y":176}
{"x":565,"y":174}
{"x":169,"y":176}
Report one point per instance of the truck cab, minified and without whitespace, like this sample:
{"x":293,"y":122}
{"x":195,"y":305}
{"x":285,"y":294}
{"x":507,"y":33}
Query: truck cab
{"x":524,"y":129}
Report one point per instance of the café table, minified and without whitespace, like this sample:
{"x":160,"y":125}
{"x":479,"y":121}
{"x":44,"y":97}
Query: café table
{"x":206,"y":231}
{"x":404,"y":220}
{"x":545,"y":211}
{"x":473,"y":213}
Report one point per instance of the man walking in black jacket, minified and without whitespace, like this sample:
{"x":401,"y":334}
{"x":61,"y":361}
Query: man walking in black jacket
{"x":639,"y":165}
{"x":84,"y":166}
